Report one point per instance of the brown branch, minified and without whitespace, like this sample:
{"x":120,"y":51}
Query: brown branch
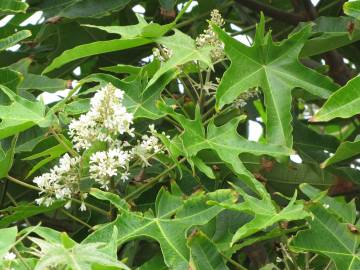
{"x":276,"y":13}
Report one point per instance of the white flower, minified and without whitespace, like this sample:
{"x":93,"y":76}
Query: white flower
{"x":148,"y":146}
{"x":61,"y":182}
{"x":106,"y":119}
{"x":326,"y":206}
{"x":9,"y":256}
{"x":82,"y":207}
{"x":106,"y":164}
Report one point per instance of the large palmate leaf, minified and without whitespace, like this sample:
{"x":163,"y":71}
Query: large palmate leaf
{"x":329,"y":237}
{"x":276,"y":69}
{"x":168,"y":225}
{"x":74,"y":256}
{"x":14,"y":39}
{"x":204,"y":254}
{"x":20,"y":115}
{"x":13,"y":6}
{"x":344,"y":103}
{"x":224,"y":140}
{"x":265,"y":213}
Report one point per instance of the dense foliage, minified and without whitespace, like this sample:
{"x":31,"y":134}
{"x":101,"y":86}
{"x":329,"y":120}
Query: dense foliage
{"x":164,"y":134}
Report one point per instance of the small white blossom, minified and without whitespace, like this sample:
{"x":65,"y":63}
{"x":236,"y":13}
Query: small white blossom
{"x":148,"y":146}
{"x":61,"y":182}
{"x":326,"y":206}
{"x":82,"y":207}
{"x":106,"y":164}
{"x":106,"y":119}
{"x":9,"y":256}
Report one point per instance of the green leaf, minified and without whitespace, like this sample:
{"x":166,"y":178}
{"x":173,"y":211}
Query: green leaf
{"x":14,"y":39}
{"x":8,"y":237}
{"x":155,"y":263}
{"x":7,"y":159}
{"x":10,"y":78}
{"x":92,"y":8}
{"x":20,"y":115}
{"x":13,"y":6}
{"x":204,"y":254}
{"x":73,"y":255}
{"x":276,"y":69}
{"x":345,"y":151}
{"x":48,"y":155}
{"x":95,"y":48}
{"x":172,"y":214}
{"x":330,"y":33}
{"x":265,"y":213}
{"x":224,"y":140}
{"x":42,"y":83}
{"x":352,"y":9}
{"x":344,"y":103}
{"x":337,"y":206}
{"x":331,"y":238}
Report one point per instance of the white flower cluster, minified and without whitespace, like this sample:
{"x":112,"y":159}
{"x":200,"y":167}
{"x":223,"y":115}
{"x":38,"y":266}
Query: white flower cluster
{"x":107,"y":121}
{"x":209,"y":37}
{"x":162,"y":54}
{"x":61,"y":182}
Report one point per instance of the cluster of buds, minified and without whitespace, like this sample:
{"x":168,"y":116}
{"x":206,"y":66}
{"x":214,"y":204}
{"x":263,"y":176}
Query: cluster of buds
{"x":209,"y":37}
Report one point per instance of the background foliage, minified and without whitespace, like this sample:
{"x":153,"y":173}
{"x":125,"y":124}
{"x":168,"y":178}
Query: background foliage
{"x":218,"y":197}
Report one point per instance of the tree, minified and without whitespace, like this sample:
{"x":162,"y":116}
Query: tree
{"x":179,"y":135}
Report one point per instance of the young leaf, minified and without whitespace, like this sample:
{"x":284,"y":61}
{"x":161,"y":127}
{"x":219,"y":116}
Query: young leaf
{"x":329,"y":237}
{"x":276,"y":69}
{"x":352,"y":9}
{"x":172,"y":214}
{"x":344,"y":103}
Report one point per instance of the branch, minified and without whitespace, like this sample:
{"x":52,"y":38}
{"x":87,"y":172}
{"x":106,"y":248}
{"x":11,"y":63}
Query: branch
{"x":276,"y":13}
